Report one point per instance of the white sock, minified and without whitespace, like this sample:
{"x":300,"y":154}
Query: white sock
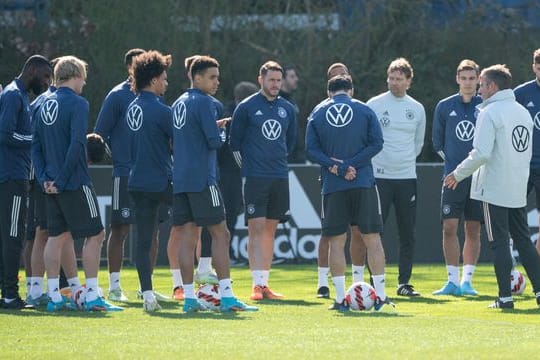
{"x":357,"y":273}
{"x":176,"y":278}
{"x":148,"y":296}
{"x":205,"y":265}
{"x":54,"y":291}
{"x":266,"y":277}
{"x":74,"y":284}
{"x":29,"y":281}
{"x":379,"y":284}
{"x":225,"y":288}
{"x":114,"y":281}
{"x":189,"y":291}
{"x":323,"y":276}
{"x":339,"y":285}
{"x":257,"y":276}
{"x":453,"y":274}
{"x":506,"y":299}
{"x":37,"y":287}
{"x":91,"y":289}
{"x":468,"y":271}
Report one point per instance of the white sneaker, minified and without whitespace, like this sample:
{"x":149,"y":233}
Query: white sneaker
{"x":151,"y":306}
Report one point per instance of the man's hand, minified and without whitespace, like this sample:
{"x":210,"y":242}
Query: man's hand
{"x":350,"y":174}
{"x":450,"y":181}
{"x":49,"y":187}
{"x":221,"y":123}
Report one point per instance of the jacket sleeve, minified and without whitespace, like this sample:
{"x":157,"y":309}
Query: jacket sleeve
{"x":438,"y":131}
{"x":375,"y":144}
{"x":78,"y":125}
{"x":420,"y":132}
{"x":207,"y":119}
{"x":238,"y":127}
{"x":484,"y":140}
{"x":10,"y":108}
{"x":292,"y":131}
{"x":107,"y":118}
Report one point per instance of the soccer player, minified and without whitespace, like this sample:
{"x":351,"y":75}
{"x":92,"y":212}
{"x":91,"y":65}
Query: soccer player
{"x":37,"y":224}
{"x":357,"y":248}
{"x":112,"y":126}
{"x":264,"y":130}
{"x":453,"y":131}
{"x":15,"y":143}
{"x":197,"y":199}
{"x":343,"y":135}
{"x":528,"y":95}
{"x":149,"y":184}
{"x":403,"y":122}
{"x":500,"y":160}
{"x":59,"y":158}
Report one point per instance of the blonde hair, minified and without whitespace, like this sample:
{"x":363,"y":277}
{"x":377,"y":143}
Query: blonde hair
{"x":402,"y":65}
{"x":69,"y":67}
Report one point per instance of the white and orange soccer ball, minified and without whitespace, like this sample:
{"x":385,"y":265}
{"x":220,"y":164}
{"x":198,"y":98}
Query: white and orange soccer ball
{"x":79,"y":297}
{"x":518,"y":282}
{"x":209,"y":296}
{"x":361,"y":296}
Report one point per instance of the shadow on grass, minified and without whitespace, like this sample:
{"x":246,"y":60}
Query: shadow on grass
{"x":232,"y":315}
{"x":287,"y":302}
{"x":421,"y":299}
{"x":362,"y":314}
{"x":40,"y":312}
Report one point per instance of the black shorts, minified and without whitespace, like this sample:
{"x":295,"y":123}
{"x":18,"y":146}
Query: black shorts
{"x":360,"y":206}
{"x":534,"y":183}
{"x":122,"y":206}
{"x":204,"y":208}
{"x":458,"y":202}
{"x":164,"y":211}
{"x":266,"y":197}
{"x":76,"y":211}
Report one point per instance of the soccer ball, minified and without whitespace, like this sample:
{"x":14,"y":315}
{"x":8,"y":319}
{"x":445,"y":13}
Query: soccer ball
{"x":79,"y":297}
{"x":518,"y":282}
{"x":209,"y":296}
{"x":361,"y":296}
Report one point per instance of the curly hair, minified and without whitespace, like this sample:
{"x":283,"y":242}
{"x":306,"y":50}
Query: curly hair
{"x":147,"y":66}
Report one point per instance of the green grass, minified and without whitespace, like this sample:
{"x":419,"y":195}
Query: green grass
{"x":296,"y":328}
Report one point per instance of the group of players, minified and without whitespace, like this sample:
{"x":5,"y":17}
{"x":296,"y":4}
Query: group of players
{"x":167,"y":156}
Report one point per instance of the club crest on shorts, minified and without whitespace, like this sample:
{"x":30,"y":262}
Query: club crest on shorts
{"x":446,"y":209}
{"x":125,"y":213}
{"x":250,"y":209}
{"x":282,"y":113}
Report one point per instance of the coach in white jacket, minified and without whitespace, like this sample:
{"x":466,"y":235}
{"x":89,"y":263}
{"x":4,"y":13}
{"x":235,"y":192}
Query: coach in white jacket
{"x":502,"y":149}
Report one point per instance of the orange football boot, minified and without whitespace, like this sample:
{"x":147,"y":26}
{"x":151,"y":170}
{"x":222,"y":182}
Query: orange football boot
{"x":269,"y":294}
{"x":257,"y":292}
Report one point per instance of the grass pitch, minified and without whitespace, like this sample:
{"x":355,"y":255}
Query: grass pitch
{"x":295,"y":328}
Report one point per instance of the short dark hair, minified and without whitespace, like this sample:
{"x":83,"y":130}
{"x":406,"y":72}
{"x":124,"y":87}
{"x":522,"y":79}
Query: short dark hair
{"x":536,"y":56}
{"x":148,"y":66}
{"x":244,"y":89}
{"x":467,"y":64}
{"x":287,"y":68}
{"x":498,"y":74}
{"x":200,"y":63}
{"x":130,"y":54}
{"x":402,"y":65}
{"x":340,"y":83}
{"x":270,"y":66}
{"x":334,"y":66}
{"x":36,"y":61}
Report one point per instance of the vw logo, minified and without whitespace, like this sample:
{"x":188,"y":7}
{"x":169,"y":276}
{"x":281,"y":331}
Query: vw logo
{"x":49,"y":112}
{"x":339,"y":115}
{"x":465,"y":130}
{"x":135,"y":117}
{"x":537,"y":120}
{"x":271,"y":129}
{"x":520,"y":138}
{"x":385,"y":121}
{"x":179,"y":115}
